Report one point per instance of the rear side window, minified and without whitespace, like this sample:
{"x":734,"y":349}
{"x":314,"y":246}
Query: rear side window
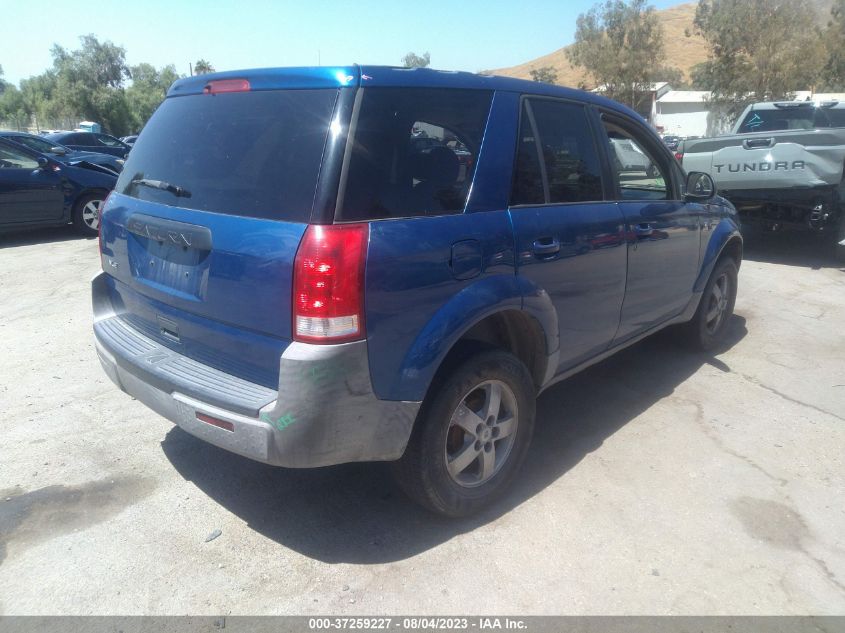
{"x":107,"y":140}
{"x":253,"y":154}
{"x":413,"y":153}
{"x":559,"y":134}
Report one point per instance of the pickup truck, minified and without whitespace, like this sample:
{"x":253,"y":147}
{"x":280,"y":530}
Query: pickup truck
{"x":781,"y":167}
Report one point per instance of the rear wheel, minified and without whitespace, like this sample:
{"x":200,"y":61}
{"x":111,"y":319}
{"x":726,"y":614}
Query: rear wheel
{"x":708,"y":327}
{"x":86,"y":213}
{"x":471,"y":436}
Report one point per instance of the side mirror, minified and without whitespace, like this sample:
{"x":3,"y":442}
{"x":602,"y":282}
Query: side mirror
{"x":700,"y":187}
{"x":43,"y":162}
{"x":58,"y":151}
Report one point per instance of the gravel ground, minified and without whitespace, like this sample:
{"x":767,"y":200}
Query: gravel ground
{"x":659,"y":481}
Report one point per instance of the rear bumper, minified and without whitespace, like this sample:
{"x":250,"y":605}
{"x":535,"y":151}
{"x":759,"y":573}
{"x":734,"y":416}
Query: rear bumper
{"x":324,"y":411}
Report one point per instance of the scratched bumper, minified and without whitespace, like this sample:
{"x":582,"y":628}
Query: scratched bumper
{"x":324,"y":412}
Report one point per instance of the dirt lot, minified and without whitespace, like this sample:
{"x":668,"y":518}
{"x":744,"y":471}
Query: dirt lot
{"x":659,"y":481}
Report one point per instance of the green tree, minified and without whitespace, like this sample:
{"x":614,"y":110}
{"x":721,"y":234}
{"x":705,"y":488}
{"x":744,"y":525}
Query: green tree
{"x":671,"y":75}
{"x":89,"y":82}
{"x":619,"y":44}
{"x":203,"y":67}
{"x":412,"y":60}
{"x":13,"y":109}
{"x":760,"y":50}
{"x":546,"y":74}
{"x":833,"y":73}
{"x":148,"y":89}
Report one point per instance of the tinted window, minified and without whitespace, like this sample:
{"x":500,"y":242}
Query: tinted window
{"x":105,"y":139}
{"x":414,"y":152}
{"x":527,"y":178}
{"x":638,"y":174}
{"x":836,"y":116}
{"x":569,"y":152}
{"x":249,"y":153}
{"x":797,"y":117}
{"x":12,"y":158}
{"x":33,"y":142}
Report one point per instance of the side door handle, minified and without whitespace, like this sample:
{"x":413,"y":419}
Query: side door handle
{"x":643,"y":230}
{"x":545,"y":247}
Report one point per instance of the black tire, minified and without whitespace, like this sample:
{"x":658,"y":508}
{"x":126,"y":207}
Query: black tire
{"x":703,"y":332}
{"x":423,"y":471}
{"x":82,"y":219}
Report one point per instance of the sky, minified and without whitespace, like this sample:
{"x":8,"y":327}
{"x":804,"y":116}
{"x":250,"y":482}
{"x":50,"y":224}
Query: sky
{"x":467,"y":35}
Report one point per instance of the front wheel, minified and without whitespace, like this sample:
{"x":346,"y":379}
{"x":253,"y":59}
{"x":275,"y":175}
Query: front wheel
{"x":708,"y":328}
{"x":471,"y":436}
{"x":86,"y":213}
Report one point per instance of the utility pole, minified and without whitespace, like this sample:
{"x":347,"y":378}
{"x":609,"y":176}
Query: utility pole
{"x":318,"y":57}
{"x":190,"y":69}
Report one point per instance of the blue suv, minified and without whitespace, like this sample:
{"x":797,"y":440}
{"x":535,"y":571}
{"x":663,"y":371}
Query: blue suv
{"x":292,"y":275}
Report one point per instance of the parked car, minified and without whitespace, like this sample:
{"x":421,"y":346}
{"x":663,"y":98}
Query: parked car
{"x":129,"y":140}
{"x":91,"y":142}
{"x":38,"y":190}
{"x":285,"y":278}
{"x":672,"y":141}
{"x":61,"y":153}
{"x":782,"y":166}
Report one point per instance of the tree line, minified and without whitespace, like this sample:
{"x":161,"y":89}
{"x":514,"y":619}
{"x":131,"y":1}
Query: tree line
{"x":758,"y":50}
{"x":92,"y":83}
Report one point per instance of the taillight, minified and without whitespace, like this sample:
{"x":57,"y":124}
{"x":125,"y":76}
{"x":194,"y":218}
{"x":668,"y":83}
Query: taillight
{"x":100,"y":224}
{"x":679,"y":156}
{"x":328,"y":284}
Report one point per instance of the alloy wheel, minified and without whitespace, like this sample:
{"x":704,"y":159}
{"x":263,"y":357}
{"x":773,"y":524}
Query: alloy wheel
{"x":481,"y":433}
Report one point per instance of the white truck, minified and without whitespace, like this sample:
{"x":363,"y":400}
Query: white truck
{"x":781,"y":167}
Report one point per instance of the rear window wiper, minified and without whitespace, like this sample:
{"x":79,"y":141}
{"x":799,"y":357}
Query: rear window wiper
{"x":179,"y":192}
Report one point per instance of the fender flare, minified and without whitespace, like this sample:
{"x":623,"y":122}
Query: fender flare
{"x":484,"y":298}
{"x":723,"y":233}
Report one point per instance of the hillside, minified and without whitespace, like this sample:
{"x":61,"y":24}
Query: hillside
{"x":681,"y":51}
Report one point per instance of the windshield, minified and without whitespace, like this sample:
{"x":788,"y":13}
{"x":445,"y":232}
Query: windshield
{"x":798,"y":117}
{"x":252,"y":154}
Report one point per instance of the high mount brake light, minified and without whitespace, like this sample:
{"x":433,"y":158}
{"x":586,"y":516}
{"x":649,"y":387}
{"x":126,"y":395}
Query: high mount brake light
{"x":328,"y":284}
{"x":218,"y":86}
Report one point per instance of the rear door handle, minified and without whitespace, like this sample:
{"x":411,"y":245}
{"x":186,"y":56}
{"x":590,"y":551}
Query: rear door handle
{"x":546,"y":247}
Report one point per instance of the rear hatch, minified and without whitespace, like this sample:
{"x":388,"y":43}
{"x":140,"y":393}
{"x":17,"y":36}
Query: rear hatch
{"x":200,"y":234}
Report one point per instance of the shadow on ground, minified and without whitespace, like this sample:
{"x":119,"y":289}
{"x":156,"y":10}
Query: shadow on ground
{"x":41,"y":236}
{"x":807,"y":250}
{"x":355,"y":514}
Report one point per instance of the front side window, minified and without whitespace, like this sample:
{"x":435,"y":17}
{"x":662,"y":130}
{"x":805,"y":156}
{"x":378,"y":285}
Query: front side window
{"x":639,"y":176}
{"x":570,"y":162}
{"x":413,"y":152}
{"x":11,"y":158}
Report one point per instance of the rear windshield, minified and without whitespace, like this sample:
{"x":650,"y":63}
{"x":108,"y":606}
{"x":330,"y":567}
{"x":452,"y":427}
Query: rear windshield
{"x":414,"y":152}
{"x":803,"y":117}
{"x":251,"y":154}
